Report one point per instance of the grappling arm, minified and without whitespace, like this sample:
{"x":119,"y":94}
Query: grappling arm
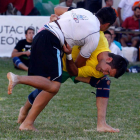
{"x":59,"y":10}
{"x":72,"y":67}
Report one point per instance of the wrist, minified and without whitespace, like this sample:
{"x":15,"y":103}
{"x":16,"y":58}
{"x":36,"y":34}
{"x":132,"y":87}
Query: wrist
{"x":23,"y":53}
{"x":69,"y":57}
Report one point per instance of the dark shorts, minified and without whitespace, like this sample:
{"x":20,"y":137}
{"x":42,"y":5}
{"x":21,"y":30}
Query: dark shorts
{"x":46,"y":56}
{"x":65,"y":76}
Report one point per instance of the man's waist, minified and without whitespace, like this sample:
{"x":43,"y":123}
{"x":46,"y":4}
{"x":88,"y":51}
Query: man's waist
{"x":53,"y":27}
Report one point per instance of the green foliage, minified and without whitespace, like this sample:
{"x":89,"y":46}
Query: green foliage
{"x":72,"y":113}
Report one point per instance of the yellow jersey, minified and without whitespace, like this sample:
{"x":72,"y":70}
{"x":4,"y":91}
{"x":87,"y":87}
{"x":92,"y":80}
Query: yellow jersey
{"x":89,"y":70}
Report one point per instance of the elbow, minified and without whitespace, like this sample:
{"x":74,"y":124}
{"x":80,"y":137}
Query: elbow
{"x":56,"y":9}
{"x":73,"y":73}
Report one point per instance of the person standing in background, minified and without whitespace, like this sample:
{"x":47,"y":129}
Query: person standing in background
{"x":109,"y":3}
{"x":126,"y":5}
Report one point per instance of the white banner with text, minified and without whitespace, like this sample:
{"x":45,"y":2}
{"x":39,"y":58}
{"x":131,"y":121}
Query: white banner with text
{"x":12,"y":29}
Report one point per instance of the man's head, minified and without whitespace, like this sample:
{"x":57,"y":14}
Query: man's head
{"x":112,"y":31}
{"x":113,"y":65}
{"x":137,"y":12}
{"x":108,"y":37}
{"x":69,"y":3}
{"x":29,"y":33}
{"x":109,"y":3}
{"x":107,"y":17}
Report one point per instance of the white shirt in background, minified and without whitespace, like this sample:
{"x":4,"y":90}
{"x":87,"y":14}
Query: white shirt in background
{"x":126,"y":5}
{"x":115,"y":49}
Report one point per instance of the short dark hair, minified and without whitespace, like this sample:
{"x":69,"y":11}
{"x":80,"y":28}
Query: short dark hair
{"x":136,"y":8}
{"x":29,"y":28}
{"x":106,"y":15}
{"x":119,"y":63}
{"x":107,"y":32}
{"x":105,"y":1}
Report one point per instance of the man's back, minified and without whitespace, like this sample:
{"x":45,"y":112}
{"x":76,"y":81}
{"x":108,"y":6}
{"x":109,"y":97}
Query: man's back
{"x":80,"y":27}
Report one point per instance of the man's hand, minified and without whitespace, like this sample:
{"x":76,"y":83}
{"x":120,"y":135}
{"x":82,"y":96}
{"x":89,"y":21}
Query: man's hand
{"x":28,"y":53}
{"x":53,"y":17}
{"x":67,"y":49}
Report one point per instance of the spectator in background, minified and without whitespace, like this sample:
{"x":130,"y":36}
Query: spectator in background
{"x":93,"y":5}
{"x":109,"y":3}
{"x":81,"y":4}
{"x":126,"y":5}
{"x":24,"y":6}
{"x":21,"y":52}
{"x":133,"y":24}
{"x":112,"y":31}
{"x":68,"y":3}
{"x":136,"y":4}
{"x":112,"y":46}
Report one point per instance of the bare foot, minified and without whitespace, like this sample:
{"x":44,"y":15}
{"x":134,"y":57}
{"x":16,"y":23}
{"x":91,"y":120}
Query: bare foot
{"x":21,"y":116}
{"x":13,"y":80}
{"x":27,"y":127}
{"x":107,"y":128}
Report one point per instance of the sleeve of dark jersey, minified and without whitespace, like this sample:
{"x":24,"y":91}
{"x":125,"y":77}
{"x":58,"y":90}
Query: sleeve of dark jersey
{"x":18,"y":46}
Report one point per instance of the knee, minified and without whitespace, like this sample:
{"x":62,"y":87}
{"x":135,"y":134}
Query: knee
{"x":103,"y":87}
{"x":33,"y":95}
{"x":16,"y":61}
{"x":54,"y":88}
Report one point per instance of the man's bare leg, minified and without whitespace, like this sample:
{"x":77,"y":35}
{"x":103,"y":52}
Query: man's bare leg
{"x":39,"y":104}
{"x":23,"y":67}
{"x":102,"y":126}
{"x":24,"y":112}
{"x":50,"y":88}
{"x":38,"y":82}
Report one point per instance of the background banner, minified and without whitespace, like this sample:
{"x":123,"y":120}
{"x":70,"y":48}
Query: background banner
{"x":12,"y":29}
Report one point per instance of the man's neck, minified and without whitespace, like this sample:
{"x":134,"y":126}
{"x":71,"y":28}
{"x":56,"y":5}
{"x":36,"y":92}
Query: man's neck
{"x":135,"y":18}
{"x":102,"y":56}
{"x":29,"y":41}
{"x":108,"y":5}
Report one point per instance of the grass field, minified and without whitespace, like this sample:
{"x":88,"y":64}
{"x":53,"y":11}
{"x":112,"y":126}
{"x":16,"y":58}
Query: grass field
{"x":72,"y":113}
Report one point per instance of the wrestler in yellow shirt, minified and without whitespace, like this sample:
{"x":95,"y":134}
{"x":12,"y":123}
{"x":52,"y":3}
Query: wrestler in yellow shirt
{"x":89,"y":70}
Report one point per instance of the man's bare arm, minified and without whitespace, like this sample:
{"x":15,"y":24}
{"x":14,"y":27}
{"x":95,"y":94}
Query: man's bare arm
{"x":59,"y":10}
{"x":80,"y":61}
{"x":72,"y":67}
{"x":15,"y":53}
{"x":119,"y":13}
{"x":83,"y":79}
